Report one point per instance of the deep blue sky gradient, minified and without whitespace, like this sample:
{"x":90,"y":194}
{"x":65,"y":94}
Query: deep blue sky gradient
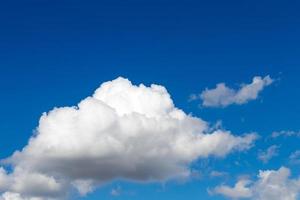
{"x":56,"y":52}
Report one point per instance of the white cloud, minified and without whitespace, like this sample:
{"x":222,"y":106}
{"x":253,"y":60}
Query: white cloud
{"x":271,"y":152}
{"x":222,"y":96}
{"x":271,"y":185}
{"x":16,"y":196}
{"x":285,"y":133}
{"x":124,"y":132}
{"x":240,"y":190}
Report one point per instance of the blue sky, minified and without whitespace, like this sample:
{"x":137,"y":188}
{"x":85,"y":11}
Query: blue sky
{"x":56,"y":53}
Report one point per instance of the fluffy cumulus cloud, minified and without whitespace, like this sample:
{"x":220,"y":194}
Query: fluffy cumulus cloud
{"x":222,"y":96}
{"x":270,"y":185}
{"x":122,"y":131}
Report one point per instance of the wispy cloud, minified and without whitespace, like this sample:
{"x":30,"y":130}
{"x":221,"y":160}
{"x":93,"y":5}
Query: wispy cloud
{"x":295,"y":157}
{"x":285,"y":133}
{"x":271,"y":152}
{"x":214,"y":174}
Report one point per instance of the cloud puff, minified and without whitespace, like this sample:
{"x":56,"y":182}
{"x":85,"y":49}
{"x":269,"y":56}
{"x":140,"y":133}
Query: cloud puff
{"x":265,"y":156}
{"x":222,"y":96}
{"x":240,"y":190}
{"x":122,"y":131}
{"x":271,"y":185}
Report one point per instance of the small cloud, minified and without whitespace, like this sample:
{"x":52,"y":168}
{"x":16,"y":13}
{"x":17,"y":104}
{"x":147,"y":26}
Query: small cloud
{"x":217,"y":174}
{"x":193,"y":97}
{"x":270,"y":184}
{"x":271,"y":152}
{"x":285,"y":133}
{"x":223,"y":96}
{"x":295,"y":157}
{"x":116,"y":191}
{"x":239,"y":190}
